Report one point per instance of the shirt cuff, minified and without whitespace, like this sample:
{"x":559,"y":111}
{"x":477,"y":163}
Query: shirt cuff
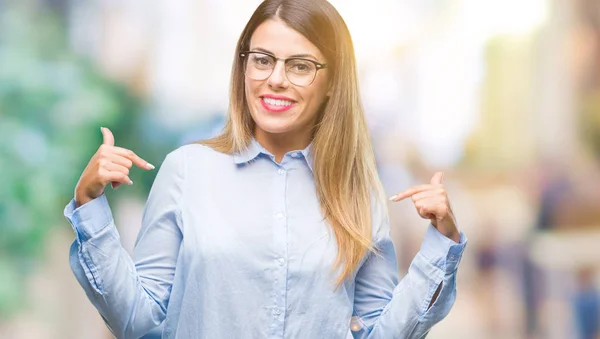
{"x":90,"y":218}
{"x":442,"y":251}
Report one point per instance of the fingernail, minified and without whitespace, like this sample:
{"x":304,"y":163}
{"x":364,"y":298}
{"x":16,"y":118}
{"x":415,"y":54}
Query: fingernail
{"x":130,"y":182}
{"x":393,"y":197}
{"x":150,"y":166}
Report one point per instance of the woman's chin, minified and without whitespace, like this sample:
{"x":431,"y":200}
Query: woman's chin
{"x":273,"y":124}
{"x":273,"y":128}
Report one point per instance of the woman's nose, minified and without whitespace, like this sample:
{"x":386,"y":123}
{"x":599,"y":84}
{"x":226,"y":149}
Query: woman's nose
{"x":278,"y":78}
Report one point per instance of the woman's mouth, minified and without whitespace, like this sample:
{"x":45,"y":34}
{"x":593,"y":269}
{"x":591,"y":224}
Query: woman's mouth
{"x":276,"y":105}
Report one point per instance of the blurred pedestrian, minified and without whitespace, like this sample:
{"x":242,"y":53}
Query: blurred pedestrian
{"x":586,"y":305}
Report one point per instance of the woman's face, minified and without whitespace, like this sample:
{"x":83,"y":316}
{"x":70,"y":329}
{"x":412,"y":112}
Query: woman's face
{"x":276,"y":105}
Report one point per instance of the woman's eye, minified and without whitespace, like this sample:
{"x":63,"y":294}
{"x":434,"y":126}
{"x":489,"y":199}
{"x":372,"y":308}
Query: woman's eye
{"x":262,"y":61}
{"x":301,"y":67}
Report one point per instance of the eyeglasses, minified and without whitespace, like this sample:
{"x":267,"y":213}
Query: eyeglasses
{"x":299,"y":71}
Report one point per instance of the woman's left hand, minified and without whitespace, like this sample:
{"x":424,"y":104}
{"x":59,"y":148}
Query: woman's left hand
{"x":432,"y":203}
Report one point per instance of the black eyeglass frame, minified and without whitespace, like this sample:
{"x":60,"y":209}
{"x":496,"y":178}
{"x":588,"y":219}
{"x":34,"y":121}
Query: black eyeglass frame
{"x":318,"y":65}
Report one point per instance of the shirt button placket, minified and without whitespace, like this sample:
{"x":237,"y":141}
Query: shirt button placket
{"x":280,"y":238}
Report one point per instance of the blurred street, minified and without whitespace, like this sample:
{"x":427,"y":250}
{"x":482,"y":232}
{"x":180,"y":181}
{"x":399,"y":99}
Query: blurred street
{"x":503,"y":96}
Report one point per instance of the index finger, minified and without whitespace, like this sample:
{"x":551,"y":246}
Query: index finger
{"x":135,"y":159}
{"x":410,"y":192}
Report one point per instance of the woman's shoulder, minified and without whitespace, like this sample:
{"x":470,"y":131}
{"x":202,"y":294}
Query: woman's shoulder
{"x":197,"y":152}
{"x":379,"y":214}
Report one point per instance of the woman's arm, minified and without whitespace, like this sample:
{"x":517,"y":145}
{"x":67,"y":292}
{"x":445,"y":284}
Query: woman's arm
{"x":131,"y":294}
{"x":384,"y":308}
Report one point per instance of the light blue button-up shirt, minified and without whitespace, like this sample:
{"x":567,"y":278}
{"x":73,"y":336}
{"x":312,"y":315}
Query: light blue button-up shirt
{"x":236,"y":247}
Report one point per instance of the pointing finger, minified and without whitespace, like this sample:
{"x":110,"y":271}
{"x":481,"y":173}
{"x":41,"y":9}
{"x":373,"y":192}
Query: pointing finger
{"x":134,"y":158}
{"x":141,"y":163}
{"x":410,"y":192}
{"x":425,"y":195}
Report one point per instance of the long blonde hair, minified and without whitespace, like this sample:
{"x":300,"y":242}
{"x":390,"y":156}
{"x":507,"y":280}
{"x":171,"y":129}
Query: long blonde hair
{"x":344,"y":167}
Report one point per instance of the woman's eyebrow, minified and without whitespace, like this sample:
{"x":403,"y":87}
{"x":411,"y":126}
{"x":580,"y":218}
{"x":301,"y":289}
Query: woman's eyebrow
{"x":304,"y":55}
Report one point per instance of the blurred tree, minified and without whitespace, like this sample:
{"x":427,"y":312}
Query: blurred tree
{"x":52,"y":103}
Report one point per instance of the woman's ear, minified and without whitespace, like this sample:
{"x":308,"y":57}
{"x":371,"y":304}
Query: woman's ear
{"x":329,"y":90}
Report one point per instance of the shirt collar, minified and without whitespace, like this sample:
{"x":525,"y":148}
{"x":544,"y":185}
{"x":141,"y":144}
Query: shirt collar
{"x":308,"y":156}
{"x":250,"y":153}
{"x":255,"y":149}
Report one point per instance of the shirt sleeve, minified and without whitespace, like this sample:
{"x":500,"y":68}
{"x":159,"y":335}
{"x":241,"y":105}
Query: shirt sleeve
{"x":384,"y":308}
{"x":131,"y":293}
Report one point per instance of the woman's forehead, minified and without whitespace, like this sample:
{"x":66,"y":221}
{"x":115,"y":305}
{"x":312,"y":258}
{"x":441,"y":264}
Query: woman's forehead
{"x":276,"y":37}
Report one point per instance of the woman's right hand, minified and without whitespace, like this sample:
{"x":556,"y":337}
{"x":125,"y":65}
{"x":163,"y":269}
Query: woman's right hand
{"x":110,"y":164}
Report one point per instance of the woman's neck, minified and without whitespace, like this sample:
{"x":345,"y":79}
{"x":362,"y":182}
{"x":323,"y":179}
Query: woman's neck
{"x":281,"y":143}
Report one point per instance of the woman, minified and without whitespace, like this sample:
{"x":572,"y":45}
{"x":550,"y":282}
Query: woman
{"x":278,"y":227}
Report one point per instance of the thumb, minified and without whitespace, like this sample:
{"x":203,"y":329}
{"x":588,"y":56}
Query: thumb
{"x":107,"y":137}
{"x":437,"y":178}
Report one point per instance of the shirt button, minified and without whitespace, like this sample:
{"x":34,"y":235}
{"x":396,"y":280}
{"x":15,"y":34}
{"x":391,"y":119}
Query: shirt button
{"x":452,"y":257}
{"x":281,"y":261}
{"x":295,"y":154}
{"x":279,"y":215}
{"x":281,"y":171}
{"x":278,"y":311}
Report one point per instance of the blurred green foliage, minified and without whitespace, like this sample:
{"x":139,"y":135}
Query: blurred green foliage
{"x":52,"y":103}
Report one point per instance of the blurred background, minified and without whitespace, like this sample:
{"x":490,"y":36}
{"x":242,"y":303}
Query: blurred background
{"x":501,"y":95}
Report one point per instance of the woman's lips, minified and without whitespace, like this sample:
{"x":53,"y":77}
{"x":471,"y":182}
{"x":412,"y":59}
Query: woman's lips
{"x":276,"y":105}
